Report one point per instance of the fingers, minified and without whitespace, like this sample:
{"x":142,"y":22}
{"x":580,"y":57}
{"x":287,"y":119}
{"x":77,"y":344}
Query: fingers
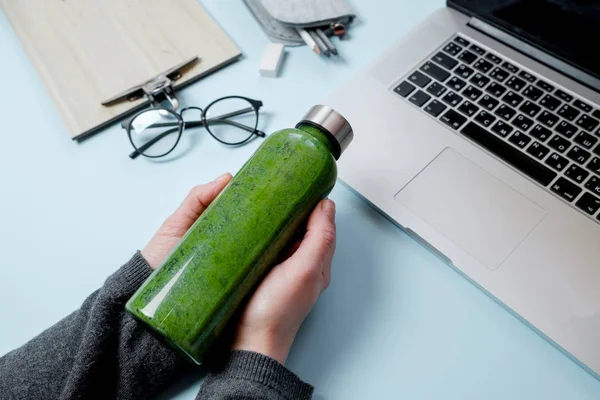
{"x":200,"y":197}
{"x":315,"y":253}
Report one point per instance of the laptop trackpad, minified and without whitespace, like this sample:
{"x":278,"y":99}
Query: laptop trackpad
{"x":472,"y":208}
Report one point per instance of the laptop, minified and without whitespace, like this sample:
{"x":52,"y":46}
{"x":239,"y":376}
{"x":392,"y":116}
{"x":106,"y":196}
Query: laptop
{"x":479,"y":134}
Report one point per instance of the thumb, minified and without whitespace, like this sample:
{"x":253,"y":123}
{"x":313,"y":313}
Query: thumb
{"x":200,"y":198}
{"x":315,"y":253}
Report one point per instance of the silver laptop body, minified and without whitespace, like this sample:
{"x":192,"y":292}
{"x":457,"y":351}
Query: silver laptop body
{"x":520,"y":230}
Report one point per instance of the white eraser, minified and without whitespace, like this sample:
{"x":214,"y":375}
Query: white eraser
{"x":271,"y":61}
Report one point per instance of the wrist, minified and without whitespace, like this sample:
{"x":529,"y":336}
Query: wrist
{"x":273,"y":346}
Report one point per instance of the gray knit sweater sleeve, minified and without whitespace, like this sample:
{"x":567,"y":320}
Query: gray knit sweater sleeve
{"x":101,"y":352}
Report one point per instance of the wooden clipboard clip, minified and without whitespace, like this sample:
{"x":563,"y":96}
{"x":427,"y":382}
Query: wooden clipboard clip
{"x":157,"y":89}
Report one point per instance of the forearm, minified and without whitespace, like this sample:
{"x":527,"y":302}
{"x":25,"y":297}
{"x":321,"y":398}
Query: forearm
{"x":98,"y":351}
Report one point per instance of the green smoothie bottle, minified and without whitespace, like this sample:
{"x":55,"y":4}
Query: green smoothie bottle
{"x":190,"y":298}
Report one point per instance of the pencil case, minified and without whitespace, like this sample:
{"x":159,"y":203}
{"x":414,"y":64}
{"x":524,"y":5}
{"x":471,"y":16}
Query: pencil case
{"x":280,"y":18}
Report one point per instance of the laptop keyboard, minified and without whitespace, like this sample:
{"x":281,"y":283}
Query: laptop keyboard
{"x":543,"y":131}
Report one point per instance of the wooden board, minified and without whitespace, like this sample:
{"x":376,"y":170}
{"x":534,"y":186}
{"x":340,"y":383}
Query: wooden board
{"x":87,"y":51}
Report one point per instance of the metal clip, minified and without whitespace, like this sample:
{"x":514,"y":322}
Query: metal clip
{"x":156,"y":89}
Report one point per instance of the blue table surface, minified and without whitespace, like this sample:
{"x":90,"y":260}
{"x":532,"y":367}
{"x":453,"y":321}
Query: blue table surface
{"x":396,"y":321}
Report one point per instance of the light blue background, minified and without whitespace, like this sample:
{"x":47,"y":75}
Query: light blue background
{"x":396,"y":322}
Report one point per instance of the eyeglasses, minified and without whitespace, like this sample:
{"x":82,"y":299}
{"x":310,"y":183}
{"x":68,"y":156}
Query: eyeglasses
{"x":232,"y":120}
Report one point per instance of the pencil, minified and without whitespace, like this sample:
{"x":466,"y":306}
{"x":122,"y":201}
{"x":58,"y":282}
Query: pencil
{"x":324,"y":50}
{"x":308,"y":40}
{"x":330,"y":46}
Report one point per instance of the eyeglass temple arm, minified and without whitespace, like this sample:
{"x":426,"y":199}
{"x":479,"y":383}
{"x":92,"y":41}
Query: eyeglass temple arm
{"x":222,"y":119}
{"x":148,"y":144}
{"x":236,"y":124}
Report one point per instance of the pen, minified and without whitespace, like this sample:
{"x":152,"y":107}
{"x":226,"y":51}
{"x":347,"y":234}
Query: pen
{"x":324,"y":49}
{"x":330,"y":46}
{"x":308,"y":40}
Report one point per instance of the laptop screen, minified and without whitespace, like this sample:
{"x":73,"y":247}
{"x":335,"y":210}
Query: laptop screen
{"x":569,"y":30}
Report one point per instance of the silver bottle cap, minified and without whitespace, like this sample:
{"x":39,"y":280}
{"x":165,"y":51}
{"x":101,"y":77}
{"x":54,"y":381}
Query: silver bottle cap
{"x":327,"y":119}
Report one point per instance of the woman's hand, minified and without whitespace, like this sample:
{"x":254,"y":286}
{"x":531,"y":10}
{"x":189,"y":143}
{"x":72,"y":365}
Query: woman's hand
{"x":178,"y":223}
{"x":284,"y":298}
{"x":290,"y":290}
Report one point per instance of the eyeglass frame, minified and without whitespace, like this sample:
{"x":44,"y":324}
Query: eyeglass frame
{"x":182,"y":125}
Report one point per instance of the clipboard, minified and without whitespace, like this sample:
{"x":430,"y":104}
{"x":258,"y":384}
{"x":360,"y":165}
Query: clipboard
{"x":88,"y":51}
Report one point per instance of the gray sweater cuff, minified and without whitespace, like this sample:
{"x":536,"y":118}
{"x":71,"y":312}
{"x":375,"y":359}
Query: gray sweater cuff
{"x":123,"y":283}
{"x":256,"y":367}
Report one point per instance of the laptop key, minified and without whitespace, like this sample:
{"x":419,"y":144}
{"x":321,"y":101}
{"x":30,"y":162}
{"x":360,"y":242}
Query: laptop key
{"x":519,"y":139}
{"x":578,"y":155}
{"x":483,"y":66}
{"x":499,"y":74}
{"x":589,"y":203}
{"x":488,"y":102}
{"x":585,"y":139}
{"x":509,"y":67}
{"x":527,"y":76}
{"x":559,"y":143}
{"x":419,"y":98}
{"x":576,"y":173}
{"x":545,"y":85}
{"x":445,"y":60}
{"x":550,"y":102}
{"x":566,"y":189}
{"x":567,"y":112}
{"x":472,"y":93}
{"x":493,"y":58}
{"x":468,"y":108}
{"x":419,"y":79}
{"x":453,"y":119}
{"x":479,"y":80}
{"x":582,"y":106}
{"x":541,"y":133}
{"x":538,"y":150}
{"x":404,"y":89}
{"x":467,"y":57}
{"x":502,"y":128}
{"x":497,"y":146}
{"x":477,"y":49}
{"x":453,"y":49}
{"x":597,"y":150}
{"x":547,"y":119}
{"x":485,"y":118}
{"x":505,"y":112}
{"x":512,"y":98}
{"x":529,"y":108}
{"x":456,"y":83}
{"x":462,"y":41}
{"x":557,"y":161}
{"x":594,"y":165}
{"x":593,"y":184}
{"x":532,"y":93}
{"x":596,"y":114}
{"x":452,"y":99}
{"x":463,"y":71}
{"x":515,"y":83}
{"x":586,"y":122}
{"x":436,"y":89}
{"x":563,"y":96}
{"x":433,"y":70}
{"x":496,"y":89}
{"x":522,"y":122}
{"x":566,"y":129}
{"x":435,"y":108}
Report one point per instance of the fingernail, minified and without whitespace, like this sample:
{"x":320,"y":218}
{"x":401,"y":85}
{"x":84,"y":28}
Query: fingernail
{"x":329,"y":207}
{"x":221,"y":178}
